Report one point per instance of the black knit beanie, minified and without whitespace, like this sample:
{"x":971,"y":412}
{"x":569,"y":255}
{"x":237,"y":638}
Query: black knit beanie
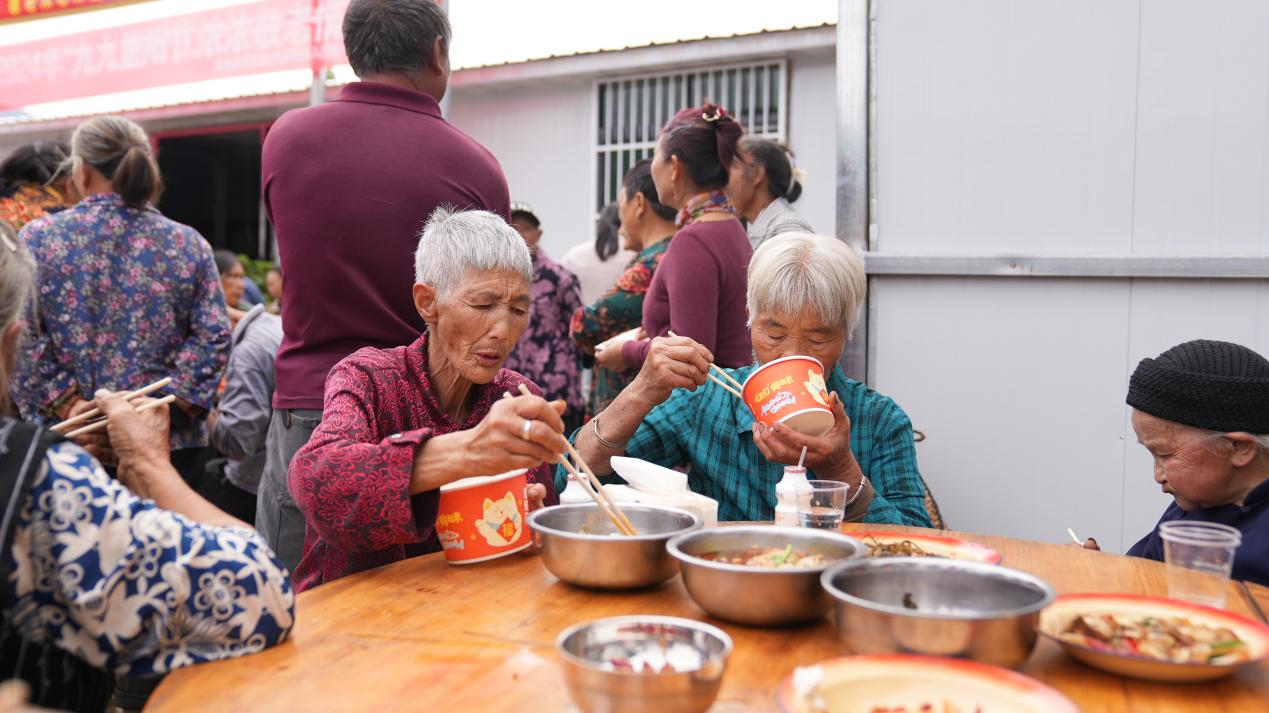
{"x":1205,"y":384}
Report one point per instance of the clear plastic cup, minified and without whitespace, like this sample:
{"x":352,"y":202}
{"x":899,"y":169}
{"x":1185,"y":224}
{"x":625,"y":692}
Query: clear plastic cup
{"x":825,"y":507}
{"x":1199,"y":557}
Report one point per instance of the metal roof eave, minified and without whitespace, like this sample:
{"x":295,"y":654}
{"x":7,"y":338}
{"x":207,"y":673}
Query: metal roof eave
{"x":652,"y":57}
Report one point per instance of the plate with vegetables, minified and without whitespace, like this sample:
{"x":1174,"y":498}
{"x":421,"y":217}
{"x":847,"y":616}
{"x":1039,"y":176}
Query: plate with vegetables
{"x":904,"y":544}
{"x":915,"y":684}
{"x":1154,"y":638}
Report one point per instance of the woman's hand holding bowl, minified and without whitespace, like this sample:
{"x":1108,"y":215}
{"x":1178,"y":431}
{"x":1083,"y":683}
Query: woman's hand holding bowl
{"x":829,"y":455}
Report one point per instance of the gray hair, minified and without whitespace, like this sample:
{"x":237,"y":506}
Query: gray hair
{"x":119,"y":150}
{"x":798,"y":271}
{"x":17,"y":286}
{"x":393,"y":35}
{"x":457,"y":241}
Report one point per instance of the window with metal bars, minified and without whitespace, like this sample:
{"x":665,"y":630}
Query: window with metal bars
{"x":630,"y":111}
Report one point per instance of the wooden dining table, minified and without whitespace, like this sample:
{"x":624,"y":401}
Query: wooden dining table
{"x":423,"y":635}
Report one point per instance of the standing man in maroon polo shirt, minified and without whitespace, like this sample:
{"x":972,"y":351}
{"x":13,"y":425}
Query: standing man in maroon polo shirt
{"x":348,"y":186}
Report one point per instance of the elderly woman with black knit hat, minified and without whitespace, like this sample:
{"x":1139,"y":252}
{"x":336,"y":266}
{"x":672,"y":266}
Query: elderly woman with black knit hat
{"x":1202,"y":410}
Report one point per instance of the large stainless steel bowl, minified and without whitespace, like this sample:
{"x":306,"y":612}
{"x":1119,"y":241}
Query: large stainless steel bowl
{"x":941,"y":607}
{"x":586,"y":649}
{"x":759,"y":596}
{"x":601,"y":557}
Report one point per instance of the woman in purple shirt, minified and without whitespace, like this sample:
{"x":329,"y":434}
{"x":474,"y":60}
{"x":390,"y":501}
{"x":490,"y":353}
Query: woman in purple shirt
{"x":699,"y":290}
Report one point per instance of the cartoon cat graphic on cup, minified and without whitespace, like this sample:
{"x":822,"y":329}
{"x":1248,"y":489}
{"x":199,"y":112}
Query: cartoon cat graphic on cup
{"x":816,"y":387}
{"x":501,"y":523}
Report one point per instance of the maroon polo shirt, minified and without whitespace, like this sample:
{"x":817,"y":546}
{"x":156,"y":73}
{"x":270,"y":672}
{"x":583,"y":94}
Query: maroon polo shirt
{"x":348,"y":185}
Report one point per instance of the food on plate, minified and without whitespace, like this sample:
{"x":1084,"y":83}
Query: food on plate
{"x":900,"y":548}
{"x":775,"y":557}
{"x":1174,"y":639}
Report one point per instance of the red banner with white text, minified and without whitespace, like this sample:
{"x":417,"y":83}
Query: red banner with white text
{"x":267,"y":36}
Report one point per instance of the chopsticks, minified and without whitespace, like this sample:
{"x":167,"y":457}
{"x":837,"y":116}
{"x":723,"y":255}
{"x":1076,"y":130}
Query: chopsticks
{"x":100,"y":424}
{"x":96,"y":413}
{"x":589,"y":482}
{"x":726,"y":385}
{"x":1074,"y":538}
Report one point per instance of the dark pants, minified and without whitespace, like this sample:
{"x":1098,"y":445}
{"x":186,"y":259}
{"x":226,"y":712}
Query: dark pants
{"x":221,"y":492}
{"x":277,"y":519}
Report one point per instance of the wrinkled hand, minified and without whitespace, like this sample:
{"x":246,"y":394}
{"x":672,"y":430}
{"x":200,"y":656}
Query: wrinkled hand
{"x":498,"y":443}
{"x":828,"y":455}
{"x":673,"y":362}
{"x":98,"y":443}
{"x":138,"y":438}
{"x":608,"y":353}
{"x":536,"y":495}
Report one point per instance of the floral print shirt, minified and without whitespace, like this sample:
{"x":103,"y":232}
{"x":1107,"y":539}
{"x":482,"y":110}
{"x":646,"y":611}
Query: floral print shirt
{"x":352,"y":479}
{"x":126,"y":297}
{"x":619,"y":310}
{"x":134,"y":589}
{"x":545,"y":353}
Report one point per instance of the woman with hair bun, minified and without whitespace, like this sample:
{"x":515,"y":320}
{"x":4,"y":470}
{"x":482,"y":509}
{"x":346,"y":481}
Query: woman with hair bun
{"x":764,"y":182}
{"x":126,"y":296}
{"x":699,"y":289}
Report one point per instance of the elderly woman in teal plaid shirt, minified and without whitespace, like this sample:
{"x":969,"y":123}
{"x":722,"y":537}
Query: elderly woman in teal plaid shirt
{"x":804,"y":297}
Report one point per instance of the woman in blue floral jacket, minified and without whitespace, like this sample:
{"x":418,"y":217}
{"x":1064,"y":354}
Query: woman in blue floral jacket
{"x":126,"y":296}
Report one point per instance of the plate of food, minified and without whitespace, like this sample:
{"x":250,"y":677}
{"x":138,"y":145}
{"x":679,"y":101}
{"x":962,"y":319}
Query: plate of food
{"x":904,"y":544}
{"x":1154,"y":638}
{"x":915,"y":684}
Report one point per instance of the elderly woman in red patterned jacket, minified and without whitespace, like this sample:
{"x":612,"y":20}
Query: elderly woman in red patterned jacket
{"x":399,"y":423}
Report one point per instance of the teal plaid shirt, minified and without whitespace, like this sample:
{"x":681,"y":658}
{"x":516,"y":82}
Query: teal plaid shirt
{"x":711,"y":431}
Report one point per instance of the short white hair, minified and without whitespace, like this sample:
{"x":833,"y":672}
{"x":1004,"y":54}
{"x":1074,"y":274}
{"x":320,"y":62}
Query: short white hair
{"x":796,"y":272}
{"x":454,"y":242}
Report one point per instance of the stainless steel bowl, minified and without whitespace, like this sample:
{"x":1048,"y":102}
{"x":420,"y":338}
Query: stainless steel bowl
{"x":970,"y":610}
{"x":596,"y":688}
{"x":601,"y":557}
{"x":759,"y":596}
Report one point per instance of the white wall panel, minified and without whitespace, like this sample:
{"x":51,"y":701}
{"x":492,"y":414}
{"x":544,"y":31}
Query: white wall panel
{"x":1202,"y":173}
{"x":1018,"y":386}
{"x":1005,"y":125}
{"x":813,"y":137}
{"x":541,"y":134}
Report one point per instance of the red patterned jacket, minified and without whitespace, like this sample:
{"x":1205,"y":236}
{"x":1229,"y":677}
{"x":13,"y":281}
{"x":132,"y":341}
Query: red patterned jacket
{"x":352,"y":479}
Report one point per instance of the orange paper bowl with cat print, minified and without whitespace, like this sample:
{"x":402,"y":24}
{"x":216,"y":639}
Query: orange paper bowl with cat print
{"x":791,"y":391}
{"x":483,"y":518}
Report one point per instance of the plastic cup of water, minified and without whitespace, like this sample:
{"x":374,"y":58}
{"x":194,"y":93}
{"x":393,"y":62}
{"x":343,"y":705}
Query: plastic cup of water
{"x":1199,"y":557}
{"x":825,"y":507}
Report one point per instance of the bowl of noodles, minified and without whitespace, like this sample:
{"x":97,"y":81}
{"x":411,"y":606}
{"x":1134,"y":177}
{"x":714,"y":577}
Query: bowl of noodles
{"x":760,"y":575}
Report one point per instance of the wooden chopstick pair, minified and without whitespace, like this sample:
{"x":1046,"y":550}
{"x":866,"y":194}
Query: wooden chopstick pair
{"x":731,"y":385}
{"x":65,"y":426}
{"x":589,"y":482}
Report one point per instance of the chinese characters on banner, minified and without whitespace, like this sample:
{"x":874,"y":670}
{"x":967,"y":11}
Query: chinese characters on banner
{"x":267,"y":36}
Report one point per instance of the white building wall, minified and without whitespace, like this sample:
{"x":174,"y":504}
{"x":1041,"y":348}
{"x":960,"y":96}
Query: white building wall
{"x":1060,"y":127}
{"x":542,"y":133}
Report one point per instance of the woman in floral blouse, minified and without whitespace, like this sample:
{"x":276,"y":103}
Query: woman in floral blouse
{"x":126,"y":296}
{"x":399,"y":423}
{"x":97,"y":581}
{"x":646,"y":226}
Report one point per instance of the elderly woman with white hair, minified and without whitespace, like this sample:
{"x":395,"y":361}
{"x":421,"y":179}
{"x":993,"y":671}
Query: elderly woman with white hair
{"x":397,"y":424}
{"x":804,"y":296}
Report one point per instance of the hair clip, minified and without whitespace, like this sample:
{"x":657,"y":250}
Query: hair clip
{"x":711,"y":118}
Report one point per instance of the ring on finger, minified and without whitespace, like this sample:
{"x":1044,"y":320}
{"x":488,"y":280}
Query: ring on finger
{"x":525,"y":429}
